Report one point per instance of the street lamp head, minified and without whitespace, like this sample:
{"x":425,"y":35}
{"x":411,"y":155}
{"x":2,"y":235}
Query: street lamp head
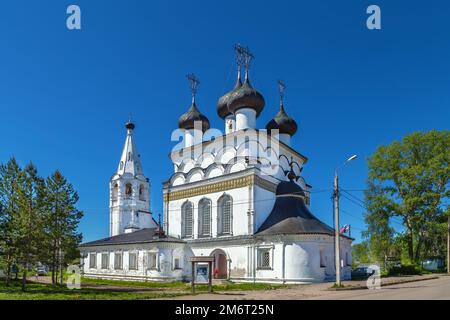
{"x":353,"y":157}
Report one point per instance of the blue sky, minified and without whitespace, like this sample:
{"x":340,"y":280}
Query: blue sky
{"x":65,"y":95}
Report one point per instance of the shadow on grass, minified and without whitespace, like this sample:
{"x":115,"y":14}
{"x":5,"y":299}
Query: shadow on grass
{"x":95,"y":289}
{"x":56,"y":292}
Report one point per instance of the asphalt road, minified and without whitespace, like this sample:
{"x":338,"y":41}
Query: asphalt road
{"x":437,"y":289}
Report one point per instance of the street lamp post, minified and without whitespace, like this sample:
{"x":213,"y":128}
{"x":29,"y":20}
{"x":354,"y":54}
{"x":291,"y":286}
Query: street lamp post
{"x":336,"y":221}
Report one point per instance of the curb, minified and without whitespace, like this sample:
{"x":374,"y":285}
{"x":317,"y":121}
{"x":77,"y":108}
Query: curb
{"x":383,"y":285}
{"x":408,"y":281}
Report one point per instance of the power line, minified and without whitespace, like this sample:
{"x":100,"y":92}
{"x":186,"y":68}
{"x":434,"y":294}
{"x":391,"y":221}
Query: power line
{"x":351,"y":215}
{"x":353,"y":201}
{"x":354,"y":197}
{"x":364,"y":207}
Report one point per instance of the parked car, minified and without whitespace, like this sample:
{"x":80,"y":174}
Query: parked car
{"x":41,"y":270}
{"x":433,"y":264}
{"x":362,"y":273}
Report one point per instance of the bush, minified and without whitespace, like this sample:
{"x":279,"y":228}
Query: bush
{"x":404,"y":270}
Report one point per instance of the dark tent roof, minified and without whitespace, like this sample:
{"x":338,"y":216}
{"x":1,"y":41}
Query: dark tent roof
{"x":290,"y":215}
{"x":140,"y":236}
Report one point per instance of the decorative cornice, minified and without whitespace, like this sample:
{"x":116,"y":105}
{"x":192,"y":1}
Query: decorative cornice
{"x":258,"y":240}
{"x":200,"y":146}
{"x":265,"y":184}
{"x":220,"y":187}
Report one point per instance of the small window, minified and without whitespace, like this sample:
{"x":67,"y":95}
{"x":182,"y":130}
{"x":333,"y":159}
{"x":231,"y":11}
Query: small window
{"x":105,"y":260}
{"x":142,"y":193}
{"x":152,"y":261}
{"x":176,"y":263}
{"x":93,"y":260}
{"x":132,"y":261}
{"x":115,"y":192}
{"x":264,"y":259}
{"x":128,"y":190}
{"x":323,"y":261}
{"x":118,"y":261}
{"x":230,"y":124}
{"x":347,"y":259}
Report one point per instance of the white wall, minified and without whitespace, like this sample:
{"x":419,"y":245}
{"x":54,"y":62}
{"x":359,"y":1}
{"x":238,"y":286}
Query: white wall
{"x":165,"y":271}
{"x":264,"y":202}
{"x":240,"y":198}
{"x":214,"y":157}
{"x":285,"y":138}
{"x":230,"y":124}
{"x":121,"y":208}
{"x":294,"y":259}
{"x":245,"y":119}
{"x":299,"y":263}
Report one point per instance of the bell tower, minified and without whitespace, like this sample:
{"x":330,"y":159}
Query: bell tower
{"x":129,"y":192}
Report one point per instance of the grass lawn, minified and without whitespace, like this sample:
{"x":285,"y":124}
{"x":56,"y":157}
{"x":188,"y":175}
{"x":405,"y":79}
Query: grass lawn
{"x":135,"y":284}
{"x":38,"y":291}
{"x":178,"y":285}
{"x":150,"y":290}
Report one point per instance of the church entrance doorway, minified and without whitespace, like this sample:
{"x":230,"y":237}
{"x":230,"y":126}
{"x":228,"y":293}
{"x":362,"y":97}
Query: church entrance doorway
{"x":220,"y":264}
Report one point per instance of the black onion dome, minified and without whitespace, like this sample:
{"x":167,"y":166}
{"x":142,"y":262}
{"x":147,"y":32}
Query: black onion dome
{"x":289,"y":188}
{"x":187,"y":120}
{"x":283,"y":123}
{"x":290,"y":214}
{"x":222,"y":104}
{"x":129,"y":125}
{"x":246,"y":97}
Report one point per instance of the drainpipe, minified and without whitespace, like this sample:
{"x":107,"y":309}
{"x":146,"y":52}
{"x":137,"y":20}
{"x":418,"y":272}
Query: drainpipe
{"x":166,"y":214}
{"x":283,"y":262}
{"x":254,"y":263}
{"x":250,"y":212}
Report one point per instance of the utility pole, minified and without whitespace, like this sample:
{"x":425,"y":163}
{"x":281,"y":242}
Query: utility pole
{"x":336,"y":230}
{"x":337,"y":235}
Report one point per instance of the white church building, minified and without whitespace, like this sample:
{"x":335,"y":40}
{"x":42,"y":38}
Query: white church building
{"x":238,"y":196}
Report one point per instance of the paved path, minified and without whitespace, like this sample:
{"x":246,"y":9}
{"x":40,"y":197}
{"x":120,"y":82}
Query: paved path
{"x":437,"y":289}
{"x":426,"y":289}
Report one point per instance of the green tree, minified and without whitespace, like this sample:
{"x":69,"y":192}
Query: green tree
{"x":28,"y":220}
{"x":435,"y":242}
{"x":10,"y":174}
{"x":379,"y":232}
{"x":360,"y":253}
{"x":409,"y":180}
{"x":61,"y":221}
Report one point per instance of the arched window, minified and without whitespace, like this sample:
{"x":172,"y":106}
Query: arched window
{"x":128,"y":190}
{"x":186,"y":219}
{"x":224,"y":219}
{"x":204,"y":218}
{"x":142,"y":192}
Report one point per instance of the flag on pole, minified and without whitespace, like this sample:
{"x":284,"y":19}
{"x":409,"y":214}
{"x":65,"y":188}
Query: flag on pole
{"x":344,"y":229}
